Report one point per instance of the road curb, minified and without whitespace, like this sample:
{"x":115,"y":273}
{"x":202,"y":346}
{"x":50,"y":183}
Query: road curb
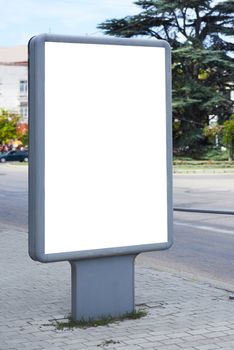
{"x":203,"y":171}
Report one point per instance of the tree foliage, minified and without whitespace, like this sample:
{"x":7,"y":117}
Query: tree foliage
{"x":199,"y":32}
{"x":8,"y":125}
{"x":228,"y":136}
{"x":22,"y":133}
{"x":212,"y":130}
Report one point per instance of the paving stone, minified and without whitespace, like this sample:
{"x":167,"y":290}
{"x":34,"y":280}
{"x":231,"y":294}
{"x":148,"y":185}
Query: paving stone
{"x":181,"y":313}
{"x":208,"y":347}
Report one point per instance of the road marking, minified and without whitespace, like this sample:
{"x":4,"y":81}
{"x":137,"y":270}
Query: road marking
{"x":205,"y":228}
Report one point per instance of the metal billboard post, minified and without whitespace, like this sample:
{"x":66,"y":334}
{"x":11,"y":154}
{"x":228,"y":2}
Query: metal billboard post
{"x":112,"y":199}
{"x":102,"y":287}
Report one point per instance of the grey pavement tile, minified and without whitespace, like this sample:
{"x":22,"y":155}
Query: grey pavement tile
{"x":214,"y":334}
{"x":77,"y":346}
{"x":169,"y":347}
{"x":160,"y":337}
{"x":177,"y":341}
{"x":131,"y":347}
{"x":181,"y":313}
{"x":228,"y":343}
{"x":229,"y":332}
{"x":194,"y":337}
{"x":150,"y":345}
{"x":208,"y":347}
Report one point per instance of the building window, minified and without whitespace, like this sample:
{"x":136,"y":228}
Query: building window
{"x":24,"y":109}
{"x":23,"y":87}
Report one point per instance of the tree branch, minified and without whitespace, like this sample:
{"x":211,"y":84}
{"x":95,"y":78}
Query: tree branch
{"x":197,"y":23}
{"x":155,"y":34}
{"x":181,"y":30}
{"x":166,"y":32}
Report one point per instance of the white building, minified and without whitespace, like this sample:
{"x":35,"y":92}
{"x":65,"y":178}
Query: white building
{"x":14,"y":80}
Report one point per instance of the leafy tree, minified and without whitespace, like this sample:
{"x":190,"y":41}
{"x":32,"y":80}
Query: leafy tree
{"x":199,"y":33}
{"x":212,"y":132}
{"x":228,"y":136}
{"x":22,"y":133}
{"x":8,"y":125}
{"x":23,"y":137}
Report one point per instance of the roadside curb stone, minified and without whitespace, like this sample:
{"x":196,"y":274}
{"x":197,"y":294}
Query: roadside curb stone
{"x":208,"y":171}
{"x":181,"y":313}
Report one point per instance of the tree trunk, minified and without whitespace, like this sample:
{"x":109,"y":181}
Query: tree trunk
{"x":231,"y":152}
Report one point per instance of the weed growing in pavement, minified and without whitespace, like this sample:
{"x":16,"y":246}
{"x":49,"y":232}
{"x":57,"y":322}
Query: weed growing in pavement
{"x":109,"y":342}
{"x":103,"y":321}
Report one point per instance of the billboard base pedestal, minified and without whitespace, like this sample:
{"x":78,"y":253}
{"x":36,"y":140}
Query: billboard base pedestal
{"x":102,"y":287}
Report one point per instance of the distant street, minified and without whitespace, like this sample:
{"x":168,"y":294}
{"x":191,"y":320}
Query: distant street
{"x":203,"y":243}
{"x":14,"y":195}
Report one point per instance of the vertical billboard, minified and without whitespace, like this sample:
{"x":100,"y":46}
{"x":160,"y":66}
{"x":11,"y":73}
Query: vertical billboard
{"x":100,"y":173}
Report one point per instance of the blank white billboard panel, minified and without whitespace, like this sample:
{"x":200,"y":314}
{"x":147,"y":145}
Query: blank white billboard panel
{"x":105,"y":146}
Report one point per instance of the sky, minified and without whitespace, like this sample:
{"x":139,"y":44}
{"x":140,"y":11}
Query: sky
{"x":22,"y":19}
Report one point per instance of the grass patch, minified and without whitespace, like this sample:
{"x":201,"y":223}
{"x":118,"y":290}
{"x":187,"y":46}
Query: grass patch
{"x":103,"y":321}
{"x":215,"y":154}
{"x":202,"y":164}
{"x":208,"y":153}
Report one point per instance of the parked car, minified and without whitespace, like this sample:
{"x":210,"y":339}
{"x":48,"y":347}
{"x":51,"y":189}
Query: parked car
{"x":21,"y":156}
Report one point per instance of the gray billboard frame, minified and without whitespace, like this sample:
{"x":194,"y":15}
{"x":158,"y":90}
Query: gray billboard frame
{"x":37,"y":150}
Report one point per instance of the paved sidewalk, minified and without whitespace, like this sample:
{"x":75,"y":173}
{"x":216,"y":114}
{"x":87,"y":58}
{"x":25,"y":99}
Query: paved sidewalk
{"x":181,"y":313}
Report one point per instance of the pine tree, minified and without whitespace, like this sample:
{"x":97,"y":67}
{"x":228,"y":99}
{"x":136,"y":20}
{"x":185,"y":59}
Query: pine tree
{"x":200,"y":33}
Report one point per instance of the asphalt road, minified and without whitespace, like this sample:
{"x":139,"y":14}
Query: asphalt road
{"x":203,"y":243}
